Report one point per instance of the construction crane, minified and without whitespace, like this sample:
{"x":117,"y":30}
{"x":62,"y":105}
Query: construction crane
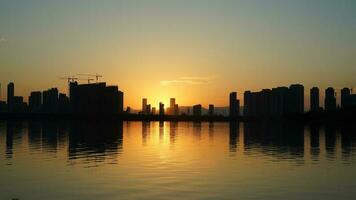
{"x":97,"y":76}
{"x":70,"y":79}
{"x":87,"y":79}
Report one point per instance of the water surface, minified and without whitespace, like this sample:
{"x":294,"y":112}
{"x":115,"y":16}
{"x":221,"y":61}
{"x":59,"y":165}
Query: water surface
{"x":175,"y":160}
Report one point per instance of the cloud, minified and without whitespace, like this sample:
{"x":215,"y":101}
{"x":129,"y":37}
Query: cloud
{"x":3,"y":39}
{"x":189,"y":80}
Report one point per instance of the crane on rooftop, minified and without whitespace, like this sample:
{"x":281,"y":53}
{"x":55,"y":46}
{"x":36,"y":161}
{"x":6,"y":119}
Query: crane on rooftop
{"x":70,"y":79}
{"x":97,"y":76}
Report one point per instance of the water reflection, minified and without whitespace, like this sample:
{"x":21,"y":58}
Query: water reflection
{"x":85,"y":142}
{"x":186,"y":160}
{"x":234,"y":136}
{"x":95,"y":142}
{"x":283,"y":141}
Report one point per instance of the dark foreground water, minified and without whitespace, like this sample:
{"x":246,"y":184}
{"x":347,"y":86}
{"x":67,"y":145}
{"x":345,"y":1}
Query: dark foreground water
{"x":185,"y":160}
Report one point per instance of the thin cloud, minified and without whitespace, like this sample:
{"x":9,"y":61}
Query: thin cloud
{"x":189,"y":80}
{"x":203,"y":78}
{"x":3,"y":39}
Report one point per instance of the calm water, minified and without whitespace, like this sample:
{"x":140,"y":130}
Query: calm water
{"x":152,"y":160}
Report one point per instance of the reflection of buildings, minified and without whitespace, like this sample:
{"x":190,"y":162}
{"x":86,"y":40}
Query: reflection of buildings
{"x":14,"y":133}
{"x":161,"y":130}
{"x":330,"y":140}
{"x":314,"y":142}
{"x":234,"y":128}
{"x":95,"y":142}
{"x":87,"y":143}
{"x":173,"y":126}
{"x":211,"y":130}
{"x":146,"y":128}
{"x":285,"y":140}
{"x":197,"y":129}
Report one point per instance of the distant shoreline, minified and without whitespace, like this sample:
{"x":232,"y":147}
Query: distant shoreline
{"x":342,"y":115}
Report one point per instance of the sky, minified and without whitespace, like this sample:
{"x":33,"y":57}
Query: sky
{"x":194,"y":50}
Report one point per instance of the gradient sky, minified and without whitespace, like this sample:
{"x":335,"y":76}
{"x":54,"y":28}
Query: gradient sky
{"x":196,"y":51}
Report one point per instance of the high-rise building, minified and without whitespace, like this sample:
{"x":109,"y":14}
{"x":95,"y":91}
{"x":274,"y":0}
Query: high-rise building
{"x":50,"y":100}
{"x":10,"y":95}
{"x":296,"y":99}
{"x":345,"y":97}
{"x":96,"y":98}
{"x":247,"y":103}
{"x":144,"y":105}
{"x":3,"y":106}
{"x":265,"y":99}
{"x":153,"y":110}
{"x":35,"y":101}
{"x":63,"y":103}
{"x":14,"y":103}
{"x":176,"y":110}
{"x":278,"y":101}
{"x":330,"y":99}
{"x":233,"y":107}
{"x":314,"y":99}
{"x":148,"y":109}
{"x":161,"y":108}
{"x":211,"y":109}
{"x":197,"y":110}
{"x":172,"y":103}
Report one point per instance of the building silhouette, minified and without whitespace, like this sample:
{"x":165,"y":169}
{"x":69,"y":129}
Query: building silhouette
{"x":144,"y":106}
{"x":273,"y":102}
{"x":173,"y":107}
{"x":161,"y":108}
{"x":63,"y":103}
{"x":95,"y":98}
{"x":296,"y":99}
{"x":15,"y":104}
{"x":50,"y":100}
{"x":197,"y":110}
{"x":314,"y":99}
{"x":148,"y":109}
{"x":234,"y":105}
{"x":247,"y":103}
{"x":211,"y":110}
{"x":345,"y":97}
{"x":330,"y":99}
{"x":35,"y":101}
{"x":10,"y":96}
{"x":279,"y":101}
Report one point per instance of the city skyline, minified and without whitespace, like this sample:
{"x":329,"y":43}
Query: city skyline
{"x":100,"y":99}
{"x":181,"y":49}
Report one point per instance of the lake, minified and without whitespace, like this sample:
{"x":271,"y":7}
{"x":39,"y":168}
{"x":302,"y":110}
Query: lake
{"x":176,"y":160}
